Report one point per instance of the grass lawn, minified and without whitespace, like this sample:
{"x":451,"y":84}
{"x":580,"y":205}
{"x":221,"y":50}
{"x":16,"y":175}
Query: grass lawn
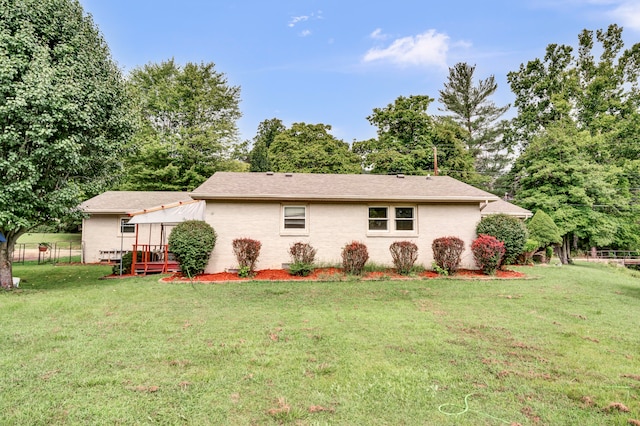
{"x":559,"y":349}
{"x":44,"y":237}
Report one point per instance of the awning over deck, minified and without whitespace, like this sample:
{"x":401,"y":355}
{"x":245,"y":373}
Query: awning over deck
{"x":172,"y":213}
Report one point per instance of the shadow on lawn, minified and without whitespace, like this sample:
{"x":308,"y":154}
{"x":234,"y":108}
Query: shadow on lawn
{"x":60,"y":277}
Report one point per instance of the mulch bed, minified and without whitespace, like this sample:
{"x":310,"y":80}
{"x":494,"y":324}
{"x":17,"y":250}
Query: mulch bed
{"x":334,"y":274}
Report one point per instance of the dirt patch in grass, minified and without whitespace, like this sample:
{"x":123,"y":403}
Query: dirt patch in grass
{"x":335,"y":274}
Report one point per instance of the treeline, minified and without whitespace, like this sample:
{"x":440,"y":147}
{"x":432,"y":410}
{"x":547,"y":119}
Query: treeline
{"x":571,"y":150}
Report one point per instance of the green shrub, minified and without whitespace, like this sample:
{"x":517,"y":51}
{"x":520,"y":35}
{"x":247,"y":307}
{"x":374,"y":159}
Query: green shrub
{"x":529,"y":249}
{"x":543,"y":229}
{"x":192,"y":242}
{"x":447,"y":253}
{"x":302,"y":257}
{"x":508,"y":229}
{"x":488,"y":252}
{"x":127,"y":260}
{"x":354,"y":257}
{"x":247,"y":252}
{"x":404,"y":255}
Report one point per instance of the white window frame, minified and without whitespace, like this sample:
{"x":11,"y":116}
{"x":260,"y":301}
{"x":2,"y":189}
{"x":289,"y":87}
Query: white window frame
{"x":392,"y":221}
{"x":283,"y":220}
{"x":122,"y":225}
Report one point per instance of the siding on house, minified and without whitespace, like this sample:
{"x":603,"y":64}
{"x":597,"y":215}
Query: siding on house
{"x":251,"y":205}
{"x":101,"y":229}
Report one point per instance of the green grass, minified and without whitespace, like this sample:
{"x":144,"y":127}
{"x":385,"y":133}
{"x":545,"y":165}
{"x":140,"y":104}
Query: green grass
{"x":43,"y":237}
{"x":554,"y":350}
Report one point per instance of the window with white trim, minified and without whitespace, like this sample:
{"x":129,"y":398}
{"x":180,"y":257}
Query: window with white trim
{"x":126,"y":227}
{"x":294,"y":218}
{"x":392,"y":218}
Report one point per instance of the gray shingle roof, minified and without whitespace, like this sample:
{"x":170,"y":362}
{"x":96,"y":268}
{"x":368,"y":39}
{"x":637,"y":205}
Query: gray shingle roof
{"x":337,"y":187}
{"x":121,"y":202}
{"x":505,"y":207}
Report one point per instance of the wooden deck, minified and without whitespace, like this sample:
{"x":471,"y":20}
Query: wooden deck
{"x":623,"y":257}
{"x":153,"y":259}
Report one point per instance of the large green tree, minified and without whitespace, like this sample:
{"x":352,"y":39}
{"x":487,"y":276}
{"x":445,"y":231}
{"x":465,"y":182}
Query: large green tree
{"x":588,"y":99}
{"x":63,"y":116}
{"x":471,"y":107}
{"x":585,"y":200}
{"x":259,"y":155}
{"x":409,"y":139}
{"x":310,"y":148}
{"x":187,"y":126}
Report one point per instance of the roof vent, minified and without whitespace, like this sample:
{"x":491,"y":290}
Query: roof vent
{"x":400,"y":176}
{"x":428,"y":177}
{"x":288,"y":174}
{"x":269,"y":173}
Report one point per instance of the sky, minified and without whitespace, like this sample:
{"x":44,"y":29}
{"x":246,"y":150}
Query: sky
{"x":334,"y":61}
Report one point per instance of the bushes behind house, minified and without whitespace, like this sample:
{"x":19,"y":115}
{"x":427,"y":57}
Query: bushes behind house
{"x":354,"y":257}
{"x":508,"y":229}
{"x":447,"y":253}
{"x":488,"y":252}
{"x":247,"y":252}
{"x":302,"y":257}
{"x":192,"y":242}
{"x":404,"y":255}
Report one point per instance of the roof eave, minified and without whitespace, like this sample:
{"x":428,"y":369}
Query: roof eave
{"x":277,"y":197}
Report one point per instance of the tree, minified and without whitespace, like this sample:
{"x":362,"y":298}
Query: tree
{"x":593,"y":105}
{"x":63,"y":116}
{"x":543,"y":229}
{"x":187,"y":128}
{"x":555,"y":174}
{"x":310,"y":148}
{"x":407,"y":136}
{"x":472,"y":109}
{"x":259,"y":155}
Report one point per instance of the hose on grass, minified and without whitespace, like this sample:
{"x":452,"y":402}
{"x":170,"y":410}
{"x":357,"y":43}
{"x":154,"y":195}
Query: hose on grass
{"x":466,"y":409}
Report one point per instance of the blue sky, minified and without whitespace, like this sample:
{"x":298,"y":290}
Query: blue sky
{"x":333,"y":61}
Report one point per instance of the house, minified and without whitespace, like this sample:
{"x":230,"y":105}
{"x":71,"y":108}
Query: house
{"x":505,"y":207}
{"x":106,"y":232}
{"x":330,"y":210}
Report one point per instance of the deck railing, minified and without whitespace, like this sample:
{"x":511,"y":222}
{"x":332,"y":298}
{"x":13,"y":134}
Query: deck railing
{"x":153,"y":258}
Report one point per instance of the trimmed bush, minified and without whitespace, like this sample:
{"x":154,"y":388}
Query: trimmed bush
{"x":508,"y":229}
{"x":488,"y":252}
{"x":404,"y":255}
{"x":529,"y":249}
{"x":302,"y":258}
{"x":247,"y":252}
{"x":543,"y":229}
{"x":447,"y":253}
{"x":192,"y":242}
{"x":354,"y":256}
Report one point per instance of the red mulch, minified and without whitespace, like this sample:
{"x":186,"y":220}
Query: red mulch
{"x":332,"y":274}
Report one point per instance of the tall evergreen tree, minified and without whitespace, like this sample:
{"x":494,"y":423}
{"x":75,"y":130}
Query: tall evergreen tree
{"x":479,"y":116}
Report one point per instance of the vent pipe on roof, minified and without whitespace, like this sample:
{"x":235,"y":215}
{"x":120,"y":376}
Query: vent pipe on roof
{"x":400,"y":176}
{"x":288,"y":174}
{"x":269,"y":173}
{"x":428,"y":177}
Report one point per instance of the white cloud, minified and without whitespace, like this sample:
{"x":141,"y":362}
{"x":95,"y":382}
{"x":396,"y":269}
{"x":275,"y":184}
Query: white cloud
{"x":627,"y":13}
{"x":305,"y":33}
{"x":427,"y":49}
{"x":378,"y":35}
{"x":297,"y":19}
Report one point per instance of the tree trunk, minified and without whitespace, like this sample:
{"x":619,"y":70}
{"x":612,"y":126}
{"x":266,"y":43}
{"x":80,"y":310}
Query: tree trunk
{"x":564,"y":250}
{"x":6,"y":261}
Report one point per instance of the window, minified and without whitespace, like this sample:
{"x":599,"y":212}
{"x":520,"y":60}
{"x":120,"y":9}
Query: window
{"x":402,"y":219}
{"x":378,"y":220}
{"x":126,"y":227}
{"x":295,"y":217}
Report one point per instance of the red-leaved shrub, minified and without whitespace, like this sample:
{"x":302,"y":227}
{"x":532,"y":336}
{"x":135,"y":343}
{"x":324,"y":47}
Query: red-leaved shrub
{"x":354,"y":256}
{"x":404,"y":254}
{"x":488,"y":252}
{"x":247,"y":252}
{"x":447,"y":252}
